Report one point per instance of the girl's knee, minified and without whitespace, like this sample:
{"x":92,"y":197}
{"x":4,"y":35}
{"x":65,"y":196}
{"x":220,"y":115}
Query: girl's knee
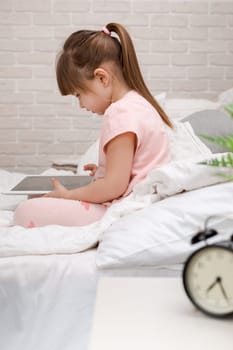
{"x":23,"y":215}
{"x":37,"y":212}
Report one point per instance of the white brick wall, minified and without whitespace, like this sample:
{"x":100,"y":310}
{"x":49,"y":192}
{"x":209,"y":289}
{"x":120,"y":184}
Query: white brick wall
{"x":185,"y":48}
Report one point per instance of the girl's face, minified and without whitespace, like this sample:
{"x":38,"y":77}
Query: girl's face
{"x":96,"y":98}
{"x":93,"y":102}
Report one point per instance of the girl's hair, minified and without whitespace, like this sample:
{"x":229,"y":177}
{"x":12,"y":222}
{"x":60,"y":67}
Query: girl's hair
{"x":86,"y":50}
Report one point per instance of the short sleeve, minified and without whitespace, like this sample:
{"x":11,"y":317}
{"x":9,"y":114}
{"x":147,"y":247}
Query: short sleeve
{"x":119,"y":122}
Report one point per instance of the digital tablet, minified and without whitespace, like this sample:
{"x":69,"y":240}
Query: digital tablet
{"x":39,"y":184}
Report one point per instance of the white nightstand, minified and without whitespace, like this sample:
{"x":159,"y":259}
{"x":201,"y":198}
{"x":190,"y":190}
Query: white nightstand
{"x":153,"y":314}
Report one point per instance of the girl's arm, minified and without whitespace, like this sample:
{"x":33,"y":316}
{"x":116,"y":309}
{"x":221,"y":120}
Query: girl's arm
{"x":119,"y":158}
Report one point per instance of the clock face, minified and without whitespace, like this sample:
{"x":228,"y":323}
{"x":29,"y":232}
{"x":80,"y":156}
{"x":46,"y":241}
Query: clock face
{"x":208,"y":280}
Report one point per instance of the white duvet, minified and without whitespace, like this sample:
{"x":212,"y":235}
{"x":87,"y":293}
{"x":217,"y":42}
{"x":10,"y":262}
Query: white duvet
{"x":168,"y":180}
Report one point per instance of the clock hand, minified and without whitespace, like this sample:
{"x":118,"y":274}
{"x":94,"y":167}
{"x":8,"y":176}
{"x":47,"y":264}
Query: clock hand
{"x":219,"y":280}
{"x":212,"y":285}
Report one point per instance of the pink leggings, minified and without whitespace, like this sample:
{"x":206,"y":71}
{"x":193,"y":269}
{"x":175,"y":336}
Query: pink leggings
{"x":53,"y":211}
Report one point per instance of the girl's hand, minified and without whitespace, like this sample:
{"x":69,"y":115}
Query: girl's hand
{"x":92,"y":167}
{"x":59,"y":190}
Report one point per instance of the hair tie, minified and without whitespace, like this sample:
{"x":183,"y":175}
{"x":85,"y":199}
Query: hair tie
{"x":106,"y":31}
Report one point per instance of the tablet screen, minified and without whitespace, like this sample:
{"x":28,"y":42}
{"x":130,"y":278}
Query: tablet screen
{"x":43,"y":184}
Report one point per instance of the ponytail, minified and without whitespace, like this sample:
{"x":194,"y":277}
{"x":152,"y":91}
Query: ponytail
{"x":131,"y":69}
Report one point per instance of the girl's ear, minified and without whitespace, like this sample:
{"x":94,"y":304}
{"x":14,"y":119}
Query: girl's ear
{"x":102,"y":75}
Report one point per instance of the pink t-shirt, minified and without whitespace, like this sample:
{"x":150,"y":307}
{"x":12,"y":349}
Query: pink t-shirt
{"x":133,"y":113}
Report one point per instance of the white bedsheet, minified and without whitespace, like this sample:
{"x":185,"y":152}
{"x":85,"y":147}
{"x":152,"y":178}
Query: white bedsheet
{"x":47,"y":302}
{"x":16,"y":240}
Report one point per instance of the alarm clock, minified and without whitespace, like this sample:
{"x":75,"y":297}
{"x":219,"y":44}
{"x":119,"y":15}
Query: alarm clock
{"x":208,"y":275}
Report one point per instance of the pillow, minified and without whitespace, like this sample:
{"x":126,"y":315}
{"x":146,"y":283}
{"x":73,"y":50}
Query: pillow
{"x":184,"y":143}
{"x":160,"y":234}
{"x":226,"y":97}
{"x":211,"y":123}
{"x":180,"y":108}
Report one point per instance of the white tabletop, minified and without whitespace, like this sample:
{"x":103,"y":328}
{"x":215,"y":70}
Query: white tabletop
{"x":153,"y":314}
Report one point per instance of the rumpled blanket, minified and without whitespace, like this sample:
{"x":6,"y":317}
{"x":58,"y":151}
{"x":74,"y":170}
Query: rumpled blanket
{"x":168,"y":180}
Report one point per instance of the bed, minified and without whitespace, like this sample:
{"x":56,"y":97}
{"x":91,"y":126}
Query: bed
{"x":48,"y":276}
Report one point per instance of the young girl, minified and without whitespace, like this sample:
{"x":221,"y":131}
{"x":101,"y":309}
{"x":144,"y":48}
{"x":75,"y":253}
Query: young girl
{"x":101,"y":69}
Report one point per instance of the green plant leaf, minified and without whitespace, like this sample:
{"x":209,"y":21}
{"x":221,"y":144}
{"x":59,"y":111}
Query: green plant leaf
{"x":225,"y":142}
{"x":229,"y":109}
{"x":226,"y":161}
